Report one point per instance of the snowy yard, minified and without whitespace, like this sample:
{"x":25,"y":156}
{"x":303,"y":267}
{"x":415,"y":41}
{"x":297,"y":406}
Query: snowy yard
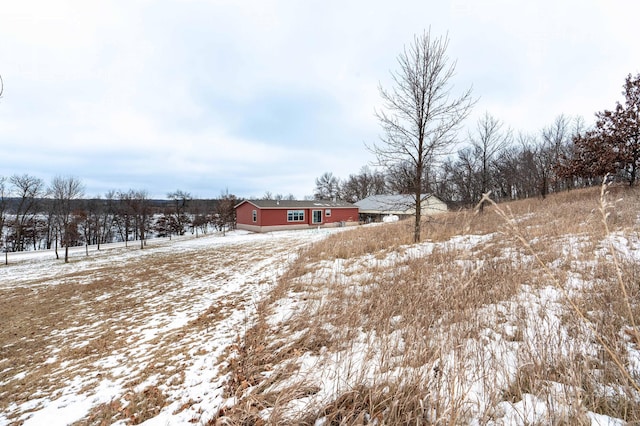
{"x":519,"y":322}
{"x":528,"y":320}
{"x":126,"y":326}
{"x":481,"y":363}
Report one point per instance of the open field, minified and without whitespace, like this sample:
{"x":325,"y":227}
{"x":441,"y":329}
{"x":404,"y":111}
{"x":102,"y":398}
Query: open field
{"x":525,"y":314}
{"x":128,"y":334}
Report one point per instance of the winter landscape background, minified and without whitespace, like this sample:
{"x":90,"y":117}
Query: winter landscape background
{"x":524,"y":314}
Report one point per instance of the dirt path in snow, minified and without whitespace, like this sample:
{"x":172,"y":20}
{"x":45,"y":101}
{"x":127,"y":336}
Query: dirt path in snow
{"x":131,"y":334}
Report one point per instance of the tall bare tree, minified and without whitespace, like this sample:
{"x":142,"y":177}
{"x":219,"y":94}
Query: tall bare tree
{"x":141,"y":209}
{"x":420,"y":115}
{"x":490,"y":138}
{"x":65,"y":191}
{"x":465,"y":176}
{"x":123,"y":216}
{"x":28,"y":190}
{"x":225,"y":212}
{"x":179,"y":219}
{"x":327,"y":187}
{"x":556,"y":140}
{"x":3,"y":209}
{"x":106,"y":217}
{"x":362,"y":185}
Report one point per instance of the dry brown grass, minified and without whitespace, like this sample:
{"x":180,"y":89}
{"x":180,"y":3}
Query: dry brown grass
{"x":30,"y":336}
{"x":61,"y":325}
{"x":415,"y":329}
{"x":423,"y":309}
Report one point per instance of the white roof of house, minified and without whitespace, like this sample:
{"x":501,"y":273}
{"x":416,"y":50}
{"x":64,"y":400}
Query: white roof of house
{"x":389,"y":204}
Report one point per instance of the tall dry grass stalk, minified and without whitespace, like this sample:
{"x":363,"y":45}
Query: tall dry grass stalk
{"x":492,"y":310}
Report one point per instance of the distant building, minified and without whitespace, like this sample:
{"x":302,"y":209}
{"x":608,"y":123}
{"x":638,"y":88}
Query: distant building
{"x":276,"y":215}
{"x":375,"y":207}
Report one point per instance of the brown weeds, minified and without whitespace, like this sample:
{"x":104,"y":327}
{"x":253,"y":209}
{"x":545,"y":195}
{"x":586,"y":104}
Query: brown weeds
{"x":363,"y":291}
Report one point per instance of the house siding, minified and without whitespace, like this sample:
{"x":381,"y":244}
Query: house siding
{"x":275,"y":218}
{"x":341,"y":215}
{"x":434,"y":206}
{"x":244,"y":214}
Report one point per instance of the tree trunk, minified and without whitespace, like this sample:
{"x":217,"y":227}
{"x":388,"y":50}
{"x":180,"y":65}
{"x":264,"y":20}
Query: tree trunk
{"x":417,"y":227}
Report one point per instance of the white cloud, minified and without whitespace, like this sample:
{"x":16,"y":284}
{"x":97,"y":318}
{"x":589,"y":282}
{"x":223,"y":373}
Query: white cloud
{"x":267,"y":95}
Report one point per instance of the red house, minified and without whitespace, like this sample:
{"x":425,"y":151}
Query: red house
{"x":276,"y":215}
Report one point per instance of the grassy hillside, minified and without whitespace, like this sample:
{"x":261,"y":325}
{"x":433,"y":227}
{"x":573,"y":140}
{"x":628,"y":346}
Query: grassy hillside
{"x":524,"y":314}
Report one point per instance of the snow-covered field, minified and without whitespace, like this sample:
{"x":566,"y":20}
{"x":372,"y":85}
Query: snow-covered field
{"x":147,"y":336}
{"x":543,"y":335}
{"x":124,"y":322}
{"x":526,"y":329}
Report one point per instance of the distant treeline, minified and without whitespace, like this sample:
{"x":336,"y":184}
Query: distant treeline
{"x":34,"y":216}
{"x":563,"y":155}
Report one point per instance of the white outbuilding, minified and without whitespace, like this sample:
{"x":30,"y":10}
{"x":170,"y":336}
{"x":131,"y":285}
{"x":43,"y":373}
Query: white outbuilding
{"x":376,"y":207}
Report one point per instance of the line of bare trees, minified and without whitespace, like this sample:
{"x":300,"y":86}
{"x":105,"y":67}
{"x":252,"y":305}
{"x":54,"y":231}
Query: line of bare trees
{"x":511,"y":166}
{"x":564,"y":155}
{"x":421,"y":117}
{"x":35,"y":216}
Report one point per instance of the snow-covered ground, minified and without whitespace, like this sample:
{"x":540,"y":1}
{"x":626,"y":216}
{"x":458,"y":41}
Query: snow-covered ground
{"x":163,"y":322}
{"x":175,"y":326}
{"x":472,"y":374}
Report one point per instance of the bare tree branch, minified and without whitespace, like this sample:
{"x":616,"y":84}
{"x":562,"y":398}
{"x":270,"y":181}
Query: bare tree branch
{"x":420,"y":115}
{"x":65,"y":190}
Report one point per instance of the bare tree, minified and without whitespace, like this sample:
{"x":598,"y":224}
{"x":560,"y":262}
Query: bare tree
{"x":123,"y":215}
{"x":420,"y":116}
{"x":465,"y":176}
{"x":65,"y":191}
{"x":133,"y":215}
{"x":327,"y":187}
{"x":556,"y":140}
{"x":3,"y":209}
{"x":28,"y":189}
{"x":225,"y":213}
{"x":268,"y":195}
{"x":564,"y":168}
{"x":507,"y":177}
{"x":180,"y":218}
{"x":489,"y":140}
{"x":141,"y":209}
{"x":201,"y":219}
{"x":363,"y":185}
{"x":86,"y":220}
{"x":106,"y":217}
{"x":400,"y":177}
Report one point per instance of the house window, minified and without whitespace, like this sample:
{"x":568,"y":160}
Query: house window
{"x":295,"y":215}
{"x":327,"y":212}
{"x":254,"y":215}
{"x":317,"y":216}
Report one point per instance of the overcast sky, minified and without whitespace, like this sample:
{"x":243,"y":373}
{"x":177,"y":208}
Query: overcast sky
{"x":255,"y":96}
